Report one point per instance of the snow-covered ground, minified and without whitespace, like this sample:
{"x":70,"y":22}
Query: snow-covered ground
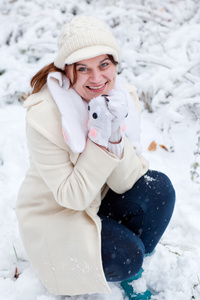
{"x":161,"y":57}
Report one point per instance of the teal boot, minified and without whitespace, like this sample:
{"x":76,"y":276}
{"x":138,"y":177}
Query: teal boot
{"x":128,"y":289}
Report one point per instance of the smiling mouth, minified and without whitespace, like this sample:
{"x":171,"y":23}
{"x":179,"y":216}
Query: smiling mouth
{"x":96,"y":88}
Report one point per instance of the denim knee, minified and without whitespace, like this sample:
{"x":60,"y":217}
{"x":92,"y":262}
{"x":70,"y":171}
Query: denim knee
{"x":122,"y":251}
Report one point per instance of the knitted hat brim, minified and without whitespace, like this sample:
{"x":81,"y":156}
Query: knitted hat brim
{"x":91,"y":52}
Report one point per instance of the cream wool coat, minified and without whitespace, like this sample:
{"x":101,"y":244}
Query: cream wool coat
{"x":60,"y":197}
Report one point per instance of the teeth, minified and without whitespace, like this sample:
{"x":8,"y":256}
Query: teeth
{"x":96,"y":88}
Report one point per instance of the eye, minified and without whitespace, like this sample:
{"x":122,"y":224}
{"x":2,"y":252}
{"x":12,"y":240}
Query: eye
{"x":82,"y":69}
{"x":88,"y":107}
{"x":126,"y":115}
{"x":94,"y":115}
{"x":104,"y":65}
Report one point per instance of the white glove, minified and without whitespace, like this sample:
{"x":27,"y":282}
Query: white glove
{"x":118,"y":106}
{"x":99,"y":124}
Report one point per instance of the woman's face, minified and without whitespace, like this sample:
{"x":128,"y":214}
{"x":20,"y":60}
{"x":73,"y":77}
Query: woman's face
{"x":95,"y":76}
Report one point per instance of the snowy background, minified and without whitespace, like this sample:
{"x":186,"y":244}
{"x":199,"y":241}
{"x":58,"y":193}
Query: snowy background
{"x":161,"y":57}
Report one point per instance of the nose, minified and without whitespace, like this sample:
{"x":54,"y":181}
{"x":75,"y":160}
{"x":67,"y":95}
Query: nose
{"x":96,"y":76}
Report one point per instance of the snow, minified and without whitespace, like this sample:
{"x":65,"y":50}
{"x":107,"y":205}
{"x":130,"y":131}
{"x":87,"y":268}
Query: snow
{"x":161,"y":57}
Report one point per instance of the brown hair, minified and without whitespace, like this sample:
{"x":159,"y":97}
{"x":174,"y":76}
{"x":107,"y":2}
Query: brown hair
{"x":40,"y":78}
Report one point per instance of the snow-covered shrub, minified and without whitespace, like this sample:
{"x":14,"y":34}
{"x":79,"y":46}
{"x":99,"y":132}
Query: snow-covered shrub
{"x":195,"y":167}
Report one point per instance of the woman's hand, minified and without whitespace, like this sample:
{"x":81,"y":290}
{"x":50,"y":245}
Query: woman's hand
{"x":118,"y":106}
{"x":99,"y":124}
{"x":106,"y":123}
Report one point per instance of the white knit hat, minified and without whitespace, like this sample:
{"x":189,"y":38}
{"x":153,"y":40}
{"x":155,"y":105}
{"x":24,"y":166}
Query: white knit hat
{"x":83,"y":38}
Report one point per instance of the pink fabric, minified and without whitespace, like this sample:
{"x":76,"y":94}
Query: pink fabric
{"x":93,"y":132}
{"x":124,"y":128}
{"x":65,"y":137}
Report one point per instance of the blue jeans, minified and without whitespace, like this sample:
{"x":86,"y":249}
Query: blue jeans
{"x":133,"y":223}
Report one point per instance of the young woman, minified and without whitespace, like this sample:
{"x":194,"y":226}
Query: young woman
{"x":89,"y":208}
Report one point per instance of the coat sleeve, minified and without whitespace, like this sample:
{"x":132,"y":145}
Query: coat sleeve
{"x":129,"y":169}
{"x":73,"y":186}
